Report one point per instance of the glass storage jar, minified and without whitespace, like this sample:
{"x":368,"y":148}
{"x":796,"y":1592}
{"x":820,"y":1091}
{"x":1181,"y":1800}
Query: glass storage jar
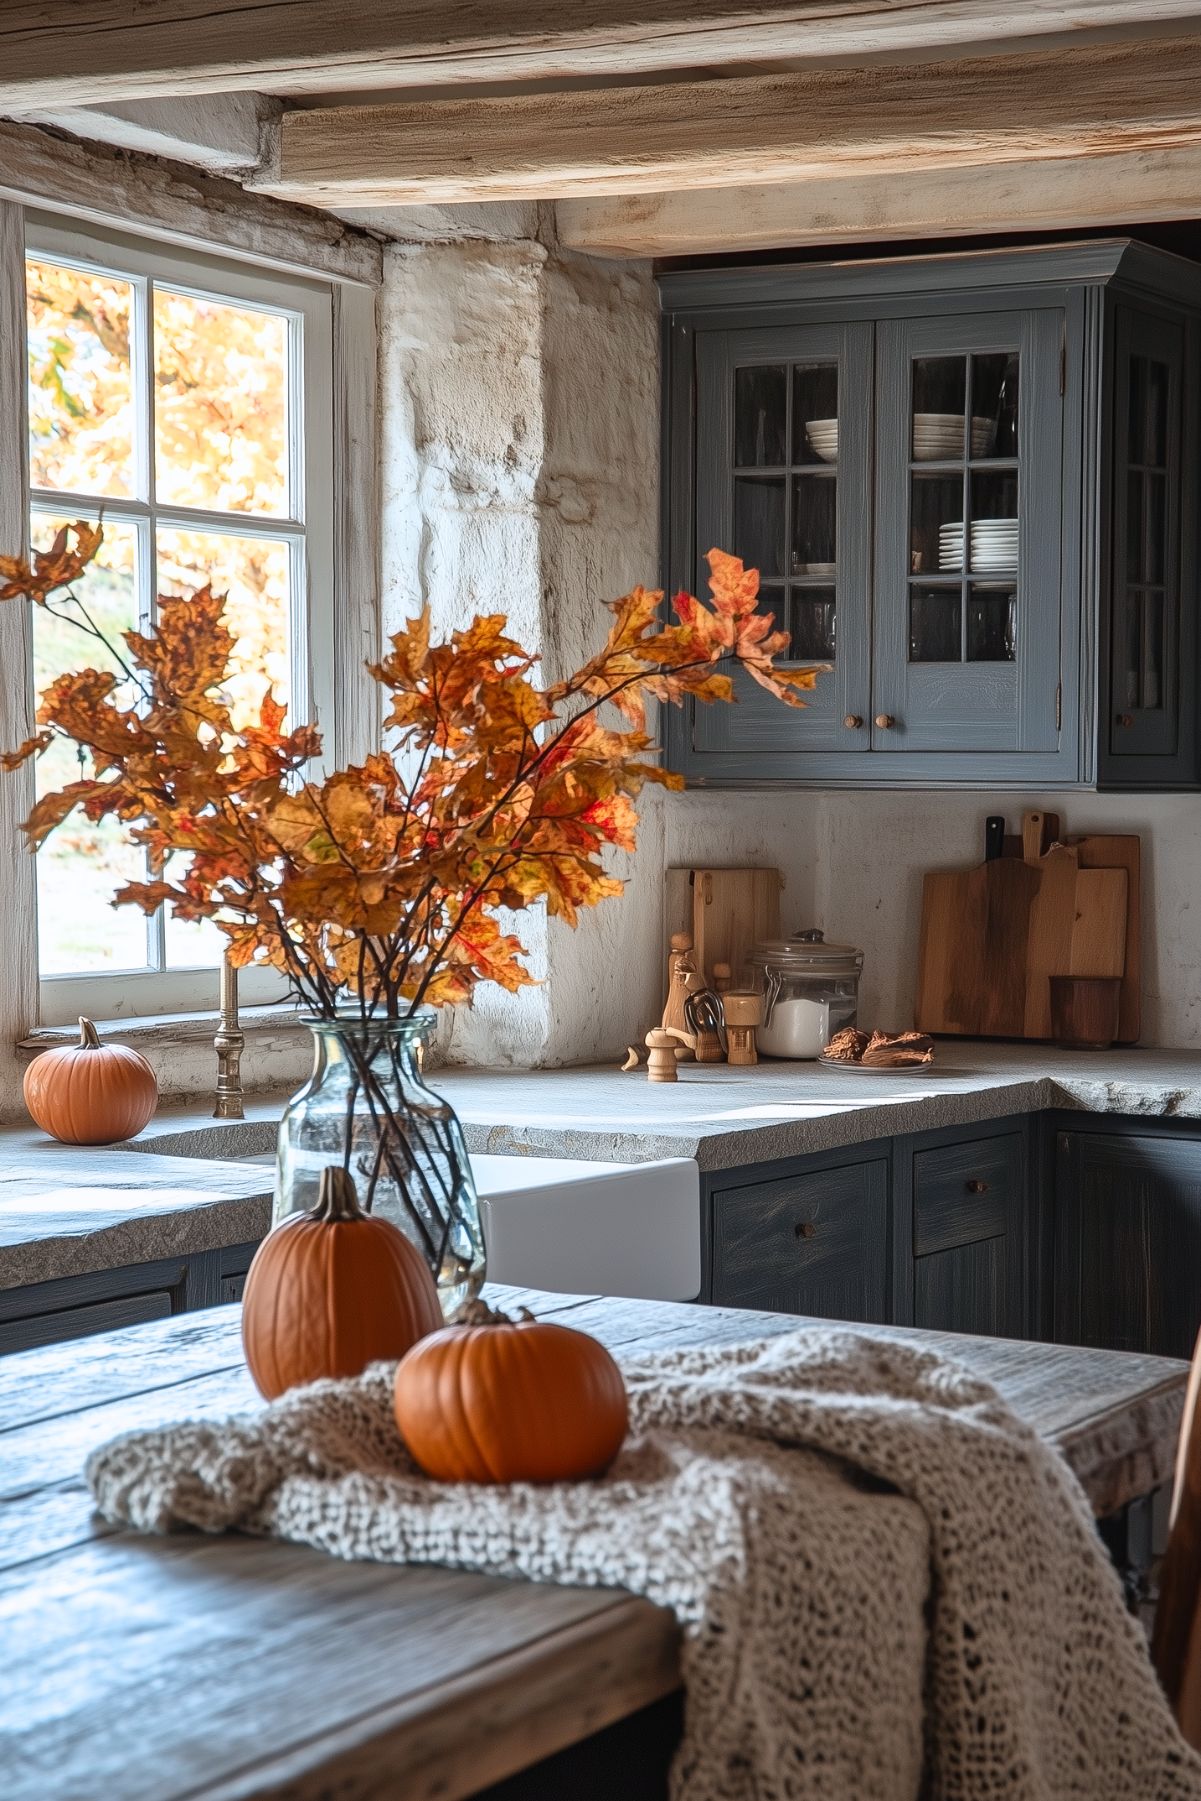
{"x":810,"y":991}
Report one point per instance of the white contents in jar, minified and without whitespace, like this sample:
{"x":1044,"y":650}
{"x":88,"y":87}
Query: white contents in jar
{"x":795,"y":1028}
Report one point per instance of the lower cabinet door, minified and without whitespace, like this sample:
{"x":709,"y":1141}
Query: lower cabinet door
{"x":1128,"y":1242}
{"x":816,"y":1243}
{"x":967,"y":1290}
{"x":81,"y":1322}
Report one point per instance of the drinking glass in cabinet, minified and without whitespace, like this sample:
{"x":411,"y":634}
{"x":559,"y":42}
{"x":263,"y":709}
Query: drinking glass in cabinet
{"x":760,"y":418}
{"x":935,"y":615}
{"x":991,"y":622}
{"x":759,"y":509}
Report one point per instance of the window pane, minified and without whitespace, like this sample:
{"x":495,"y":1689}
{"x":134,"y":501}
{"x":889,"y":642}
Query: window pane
{"x":191,"y":944}
{"x":253,"y":572}
{"x":81,"y":412}
{"x":220,"y":396}
{"x":81,"y":866}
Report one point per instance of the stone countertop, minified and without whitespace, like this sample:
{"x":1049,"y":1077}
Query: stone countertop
{"x":67,"y":1211}
{"x":726,"y":1118}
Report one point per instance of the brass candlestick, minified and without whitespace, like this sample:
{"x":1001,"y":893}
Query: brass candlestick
{"x":228,"y":1044}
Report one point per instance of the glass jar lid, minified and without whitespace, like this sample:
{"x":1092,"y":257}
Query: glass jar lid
{"x":807,"y":953}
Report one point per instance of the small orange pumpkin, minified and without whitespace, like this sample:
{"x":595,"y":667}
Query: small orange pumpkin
{"x":331,"y":1291}
{"x":500,"y":1400}
{"x":91,"y":1093}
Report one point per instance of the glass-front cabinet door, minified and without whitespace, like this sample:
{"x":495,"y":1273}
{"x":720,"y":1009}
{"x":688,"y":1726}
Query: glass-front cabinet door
{"x":783,"y":481}
{"x":1147,"y":532}
{"x":968,"y":504}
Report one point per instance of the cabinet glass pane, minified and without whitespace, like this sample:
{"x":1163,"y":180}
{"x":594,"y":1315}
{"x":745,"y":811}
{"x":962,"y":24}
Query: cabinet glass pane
{"x":773,"y":599}
{"x":815,"y":413}
{"x":995,"y":404}
{"x":1156,"y":448}
{"x":1155,"y":553}
{"x":760,"y":417}
{"x":936,"y":524}
{"x":939,"y":404}
{"x":1151,"y":685}
{"x":813,"y":623}
{"x":814,"y":525}
{"x":993,"y":529}
{"x":991,"y":622}
{"x":759,"y":503}
{"x":934,"y":624}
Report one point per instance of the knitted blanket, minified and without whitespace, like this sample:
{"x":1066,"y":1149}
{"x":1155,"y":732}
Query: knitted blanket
{"x":888,"y":1586}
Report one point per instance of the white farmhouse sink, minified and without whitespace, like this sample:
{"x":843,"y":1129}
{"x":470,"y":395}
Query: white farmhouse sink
{"x":574,"y":1227}
{"x":593,"y":1228}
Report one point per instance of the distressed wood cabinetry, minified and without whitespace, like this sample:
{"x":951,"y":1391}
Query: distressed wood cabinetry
{"x":1127,"y":1241}
{"x":967,"y":484}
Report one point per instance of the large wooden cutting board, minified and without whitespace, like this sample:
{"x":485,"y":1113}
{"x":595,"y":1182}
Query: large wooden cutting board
{"x":993,"y":936}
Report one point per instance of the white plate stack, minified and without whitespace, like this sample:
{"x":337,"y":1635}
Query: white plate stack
{"x":938,"y":437}
{"x":994,"y":546}
{"x":823,"y":436}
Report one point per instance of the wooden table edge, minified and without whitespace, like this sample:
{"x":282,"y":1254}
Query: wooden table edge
{"x":448,"y":1742}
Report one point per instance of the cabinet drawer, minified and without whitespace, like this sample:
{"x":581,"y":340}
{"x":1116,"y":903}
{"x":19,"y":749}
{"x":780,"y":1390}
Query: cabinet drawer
{"x":81,"y":1322}
{"x":964,"y":1193}
{"x":815,"y":1243}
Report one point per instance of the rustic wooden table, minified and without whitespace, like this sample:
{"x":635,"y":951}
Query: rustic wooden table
{"x":222,"y":1669}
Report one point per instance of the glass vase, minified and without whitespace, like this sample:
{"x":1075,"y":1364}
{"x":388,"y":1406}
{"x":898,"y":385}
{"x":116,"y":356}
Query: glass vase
{"x":366,"y":1107}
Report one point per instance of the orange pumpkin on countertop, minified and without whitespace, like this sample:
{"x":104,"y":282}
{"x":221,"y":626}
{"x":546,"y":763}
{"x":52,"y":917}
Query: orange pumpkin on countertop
{"x":91,"y":1093}
{"x":500,"y":1400}
{"x":331,"y":1291}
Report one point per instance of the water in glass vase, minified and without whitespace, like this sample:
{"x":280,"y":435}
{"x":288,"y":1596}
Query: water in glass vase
{"x":366,"y":1107}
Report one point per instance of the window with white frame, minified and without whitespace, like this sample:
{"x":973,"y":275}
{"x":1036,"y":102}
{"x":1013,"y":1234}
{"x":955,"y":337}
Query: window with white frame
{"x":186,"y":401}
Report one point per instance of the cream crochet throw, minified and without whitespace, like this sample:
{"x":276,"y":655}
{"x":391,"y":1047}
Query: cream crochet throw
{"x":888,"y":1586}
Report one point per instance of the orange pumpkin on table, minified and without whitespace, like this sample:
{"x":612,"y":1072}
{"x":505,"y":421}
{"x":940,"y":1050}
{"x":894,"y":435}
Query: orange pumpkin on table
{"x":331,"y":1291}
{"x":91,"y":1093}
{"x":500,"y":1400}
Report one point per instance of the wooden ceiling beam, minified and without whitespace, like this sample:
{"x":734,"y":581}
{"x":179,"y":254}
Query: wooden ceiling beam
{"x":60,"y":53}
{"x":886,"y":120}
{"x":1059,"y":194}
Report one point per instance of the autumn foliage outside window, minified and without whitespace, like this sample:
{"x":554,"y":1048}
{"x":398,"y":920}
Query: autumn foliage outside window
{"x":374,"y":886}
{"x":167,"y":393}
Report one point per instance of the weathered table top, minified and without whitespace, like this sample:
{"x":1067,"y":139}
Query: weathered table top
{"x":222,"y":1669}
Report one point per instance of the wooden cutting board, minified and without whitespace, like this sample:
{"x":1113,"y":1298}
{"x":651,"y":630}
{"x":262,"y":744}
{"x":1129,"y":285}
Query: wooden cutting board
{"x":727,"y":911}
{"x":992,"y":937}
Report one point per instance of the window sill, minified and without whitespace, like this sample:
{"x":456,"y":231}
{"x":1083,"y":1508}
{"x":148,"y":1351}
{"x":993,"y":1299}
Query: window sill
{"x":163,"y":1029}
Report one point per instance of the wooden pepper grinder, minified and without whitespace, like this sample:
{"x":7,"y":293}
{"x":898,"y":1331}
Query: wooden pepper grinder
{"x":744,"y":1012}
{"x":683,"y":979}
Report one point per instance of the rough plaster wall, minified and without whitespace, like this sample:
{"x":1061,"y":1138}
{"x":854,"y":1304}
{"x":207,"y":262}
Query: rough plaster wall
{"x":599,"y":516}
{"x":520,"y":465}
{"x":462,"y":454}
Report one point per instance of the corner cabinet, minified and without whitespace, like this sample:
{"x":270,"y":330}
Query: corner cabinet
{"x":968,"y":485}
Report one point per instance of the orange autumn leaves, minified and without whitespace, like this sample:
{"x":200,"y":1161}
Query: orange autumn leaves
{"x":384,"y":880}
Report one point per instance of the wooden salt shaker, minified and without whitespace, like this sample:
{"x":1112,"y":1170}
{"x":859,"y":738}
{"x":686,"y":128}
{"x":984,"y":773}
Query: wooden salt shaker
{"x":743,"y":1013}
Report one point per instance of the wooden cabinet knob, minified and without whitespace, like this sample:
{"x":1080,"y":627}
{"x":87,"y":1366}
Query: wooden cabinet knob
{"x":1126,"y":719}
{"x":805,"y":1229}
{"x":853,"y":721}
{"x":976,"y":1186}
{"x":885,"y":721}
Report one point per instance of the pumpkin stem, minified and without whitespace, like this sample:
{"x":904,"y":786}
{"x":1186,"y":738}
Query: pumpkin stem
{"x":89,"y":1037}
{"x":478,"y":1313}
{"x":336,"y":1198}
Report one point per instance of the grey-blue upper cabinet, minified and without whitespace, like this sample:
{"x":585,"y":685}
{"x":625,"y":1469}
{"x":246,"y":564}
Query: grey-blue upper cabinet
{"x":969,"y":485}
